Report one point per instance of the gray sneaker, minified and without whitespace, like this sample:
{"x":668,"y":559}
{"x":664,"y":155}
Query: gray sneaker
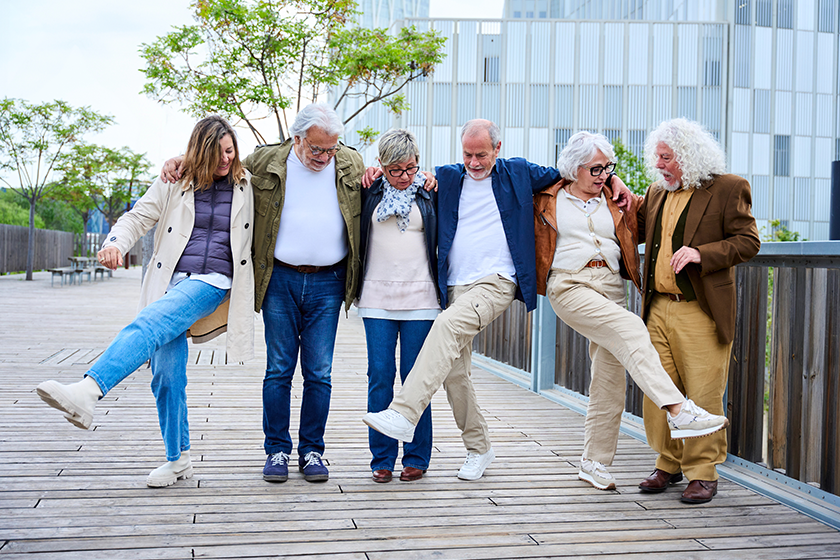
{"x":693,"y":421}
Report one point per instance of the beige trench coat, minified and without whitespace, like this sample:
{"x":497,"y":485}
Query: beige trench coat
{"x":173,"y":210}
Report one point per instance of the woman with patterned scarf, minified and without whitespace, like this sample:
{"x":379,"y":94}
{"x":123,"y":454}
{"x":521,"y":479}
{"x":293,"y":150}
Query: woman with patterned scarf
{"x":398,"y":297}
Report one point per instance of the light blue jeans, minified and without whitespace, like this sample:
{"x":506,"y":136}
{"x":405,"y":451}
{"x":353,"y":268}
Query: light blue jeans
{"x":159,"y":334}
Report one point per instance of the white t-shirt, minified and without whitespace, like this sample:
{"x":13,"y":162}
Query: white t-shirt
{"x":312,"y":229}
{"x":480,"y":247}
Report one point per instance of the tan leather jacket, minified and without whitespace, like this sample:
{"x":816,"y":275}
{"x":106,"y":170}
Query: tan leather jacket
{"x":545,"y":234}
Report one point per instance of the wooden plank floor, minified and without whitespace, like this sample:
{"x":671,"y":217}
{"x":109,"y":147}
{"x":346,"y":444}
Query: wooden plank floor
{"x":68,"y":493}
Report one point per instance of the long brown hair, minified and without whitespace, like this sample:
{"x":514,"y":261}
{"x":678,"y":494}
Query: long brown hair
{"x":204,"y":153}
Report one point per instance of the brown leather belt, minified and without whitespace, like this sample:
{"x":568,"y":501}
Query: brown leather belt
{"x":673,"y":297}
{"x":307,"y":268}
{"x":595,"y":264}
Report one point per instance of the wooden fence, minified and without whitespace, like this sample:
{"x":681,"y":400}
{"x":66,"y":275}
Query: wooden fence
{"x":783,"y":397}
{"x":52,"y":248}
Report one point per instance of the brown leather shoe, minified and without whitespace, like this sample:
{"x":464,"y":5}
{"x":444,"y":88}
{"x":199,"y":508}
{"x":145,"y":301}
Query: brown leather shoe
{"x":382,"y":475}
{"x":699,"y":491}
{"x":659,"y":480}
{"x":410,"y":473}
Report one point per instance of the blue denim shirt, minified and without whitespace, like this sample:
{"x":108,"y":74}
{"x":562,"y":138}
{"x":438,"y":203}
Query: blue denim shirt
{"x":515,"y":181}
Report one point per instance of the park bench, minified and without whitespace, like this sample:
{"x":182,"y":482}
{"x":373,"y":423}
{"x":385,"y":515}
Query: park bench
{"x":101,"y":270}
{"x":66,"y":272}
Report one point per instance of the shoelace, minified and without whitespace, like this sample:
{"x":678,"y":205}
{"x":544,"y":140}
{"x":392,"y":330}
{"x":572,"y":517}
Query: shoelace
{"x":279,"y":458}
{"x":472,"y":459}
{"x":312,"y":458}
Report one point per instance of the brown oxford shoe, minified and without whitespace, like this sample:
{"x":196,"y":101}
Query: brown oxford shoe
{"x":699,"y":491}
{"x":410,"y":473}
{"x":659,"y":481}
{"x":382,"y":475}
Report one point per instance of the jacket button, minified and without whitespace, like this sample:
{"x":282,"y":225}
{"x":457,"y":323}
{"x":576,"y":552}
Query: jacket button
{"x":113,"y":239}
{"x":262,"y":266}
{"x":169,"y":230}
{"x":246,"y":226}
{"x":158,"y":265}
{"x":243,"y":262}
{"x":276,"y":203}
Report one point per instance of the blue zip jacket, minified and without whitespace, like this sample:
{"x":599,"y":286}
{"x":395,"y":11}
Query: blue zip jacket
{"x":515,"y":181}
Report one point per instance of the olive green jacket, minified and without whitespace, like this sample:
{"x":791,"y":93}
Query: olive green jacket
{"x":268,"y":177}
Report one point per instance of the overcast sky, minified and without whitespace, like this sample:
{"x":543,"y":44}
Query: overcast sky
{"x":85,"y":52}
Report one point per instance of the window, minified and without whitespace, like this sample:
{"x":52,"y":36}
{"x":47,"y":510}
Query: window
{"x":761,"y":116}
{"x":742,"y":11}
{"x":612,"y":134}
{"x":784,"y":18}
{"x":781,"y":156}
{"x":764,"y":13}
{"x":637,"y":142}
{"x":491,"y":69}
{"x":826,"y":17}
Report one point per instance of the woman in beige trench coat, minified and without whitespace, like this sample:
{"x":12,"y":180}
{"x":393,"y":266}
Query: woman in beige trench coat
{"x":199,"y":283}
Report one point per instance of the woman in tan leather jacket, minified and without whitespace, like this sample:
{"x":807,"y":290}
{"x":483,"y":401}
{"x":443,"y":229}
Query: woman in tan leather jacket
{"x":580,"y":266}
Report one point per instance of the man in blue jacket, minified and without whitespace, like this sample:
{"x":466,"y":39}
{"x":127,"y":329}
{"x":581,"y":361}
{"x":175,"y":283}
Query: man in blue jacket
{"x":486,"y":259}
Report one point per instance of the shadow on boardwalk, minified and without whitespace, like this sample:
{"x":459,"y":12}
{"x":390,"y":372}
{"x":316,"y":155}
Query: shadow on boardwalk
{"x":68,"y":493}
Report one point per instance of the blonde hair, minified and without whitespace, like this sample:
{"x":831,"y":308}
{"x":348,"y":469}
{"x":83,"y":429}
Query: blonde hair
{"x":204,"y":152}
{"x":396,"y":146}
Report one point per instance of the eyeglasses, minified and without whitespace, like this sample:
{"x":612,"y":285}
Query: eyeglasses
{"x":399,"y":172}
{"x":596,"y":170}
{"x":316,"y":151}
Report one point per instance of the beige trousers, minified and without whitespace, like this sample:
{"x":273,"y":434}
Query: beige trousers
{"x":686,"y":340}
{"x":592,"y":302}
{"x":446,"y":357}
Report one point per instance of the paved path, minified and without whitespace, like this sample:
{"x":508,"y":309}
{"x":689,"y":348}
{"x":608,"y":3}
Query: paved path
{"x":68,"y":493}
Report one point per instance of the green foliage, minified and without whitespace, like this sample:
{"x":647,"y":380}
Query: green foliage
{"x":244,"y":59}
{"x":367,"y":135}
{"x":779,"y":232}
{"x":253,"y":59}
{"x":375,"y":65}
{"x":631,"y":168}
{"x":14,"y":211}
{"x":101,"y":178}
{"x":59,"y":216}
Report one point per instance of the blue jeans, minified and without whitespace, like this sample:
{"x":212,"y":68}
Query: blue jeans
{"x":381,"y":336}
{"x":300,"y":312}
{"x":159,"y":334}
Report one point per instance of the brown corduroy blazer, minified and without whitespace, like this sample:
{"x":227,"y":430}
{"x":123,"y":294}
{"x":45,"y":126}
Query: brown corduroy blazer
{"x":721,"y":226}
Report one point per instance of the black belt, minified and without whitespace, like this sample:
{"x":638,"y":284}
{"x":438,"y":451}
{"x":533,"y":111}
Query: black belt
{"x":674,"y":297}
{"x":309,"y":268}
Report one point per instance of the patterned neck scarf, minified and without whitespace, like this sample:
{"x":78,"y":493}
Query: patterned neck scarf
{"x":397,"y":203}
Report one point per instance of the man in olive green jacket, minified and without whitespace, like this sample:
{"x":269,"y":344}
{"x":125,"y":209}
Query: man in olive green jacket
{"x":307,"y":204}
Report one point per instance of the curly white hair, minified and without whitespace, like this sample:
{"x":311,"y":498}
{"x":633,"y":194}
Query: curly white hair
{"x":697,"y":152}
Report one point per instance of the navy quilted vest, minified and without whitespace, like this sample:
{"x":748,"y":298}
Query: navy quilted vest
{"x":208,"y":249}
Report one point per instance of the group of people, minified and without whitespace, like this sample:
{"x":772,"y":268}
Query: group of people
{"x":430,"y":260}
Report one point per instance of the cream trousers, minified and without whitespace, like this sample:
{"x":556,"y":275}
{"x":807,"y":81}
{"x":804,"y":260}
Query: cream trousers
{"x":592,"y":302}
{"x":446,"y":357}
{"x":686,"y":339}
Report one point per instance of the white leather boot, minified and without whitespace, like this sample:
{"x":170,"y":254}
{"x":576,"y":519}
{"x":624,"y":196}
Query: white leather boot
{"x":168,"y":473}
{"x":76,"y":400}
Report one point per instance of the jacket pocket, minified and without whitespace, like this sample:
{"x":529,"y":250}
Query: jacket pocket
{"x":263,"y":193}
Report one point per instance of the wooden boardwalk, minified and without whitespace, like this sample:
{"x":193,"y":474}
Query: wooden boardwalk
{"x":68,"y":493}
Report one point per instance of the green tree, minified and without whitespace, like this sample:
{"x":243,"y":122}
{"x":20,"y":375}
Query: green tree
{"x":253,"y":59}
{"x":14,"y":211}
{"x":631,"y":168}
{"x":33,"y":137}
{"x":780,"y":232}
{"x":101,"y":178}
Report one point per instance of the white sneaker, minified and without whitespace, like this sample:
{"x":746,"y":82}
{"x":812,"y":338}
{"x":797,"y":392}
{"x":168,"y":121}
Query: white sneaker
{"x":693,"y":421}
{"x":391,"y":423}
{"x":171,"y":471}
{"x":475,"y":464}
{"x":596,"y":474}
{"x":76,"y":400}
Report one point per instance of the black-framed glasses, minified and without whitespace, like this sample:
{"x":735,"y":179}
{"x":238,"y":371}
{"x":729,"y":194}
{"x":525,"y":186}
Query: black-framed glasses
{"x":596,"y":170}
{"x":399,"y":172}
{"x":316,"y":151}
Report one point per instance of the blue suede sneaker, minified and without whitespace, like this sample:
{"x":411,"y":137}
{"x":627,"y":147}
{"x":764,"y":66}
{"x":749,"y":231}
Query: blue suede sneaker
{"x":276,"y":467}
{"x":312,"y":467}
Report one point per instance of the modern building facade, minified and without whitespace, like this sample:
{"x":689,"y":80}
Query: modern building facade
{"x":762,"y":75}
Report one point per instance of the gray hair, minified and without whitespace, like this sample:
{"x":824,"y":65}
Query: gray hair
{"x":580,"y":150}
{"x":476,"y":125}
{"x":697,"y":152}
{"x":317,"y":114}
{"x":396,"y":146}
